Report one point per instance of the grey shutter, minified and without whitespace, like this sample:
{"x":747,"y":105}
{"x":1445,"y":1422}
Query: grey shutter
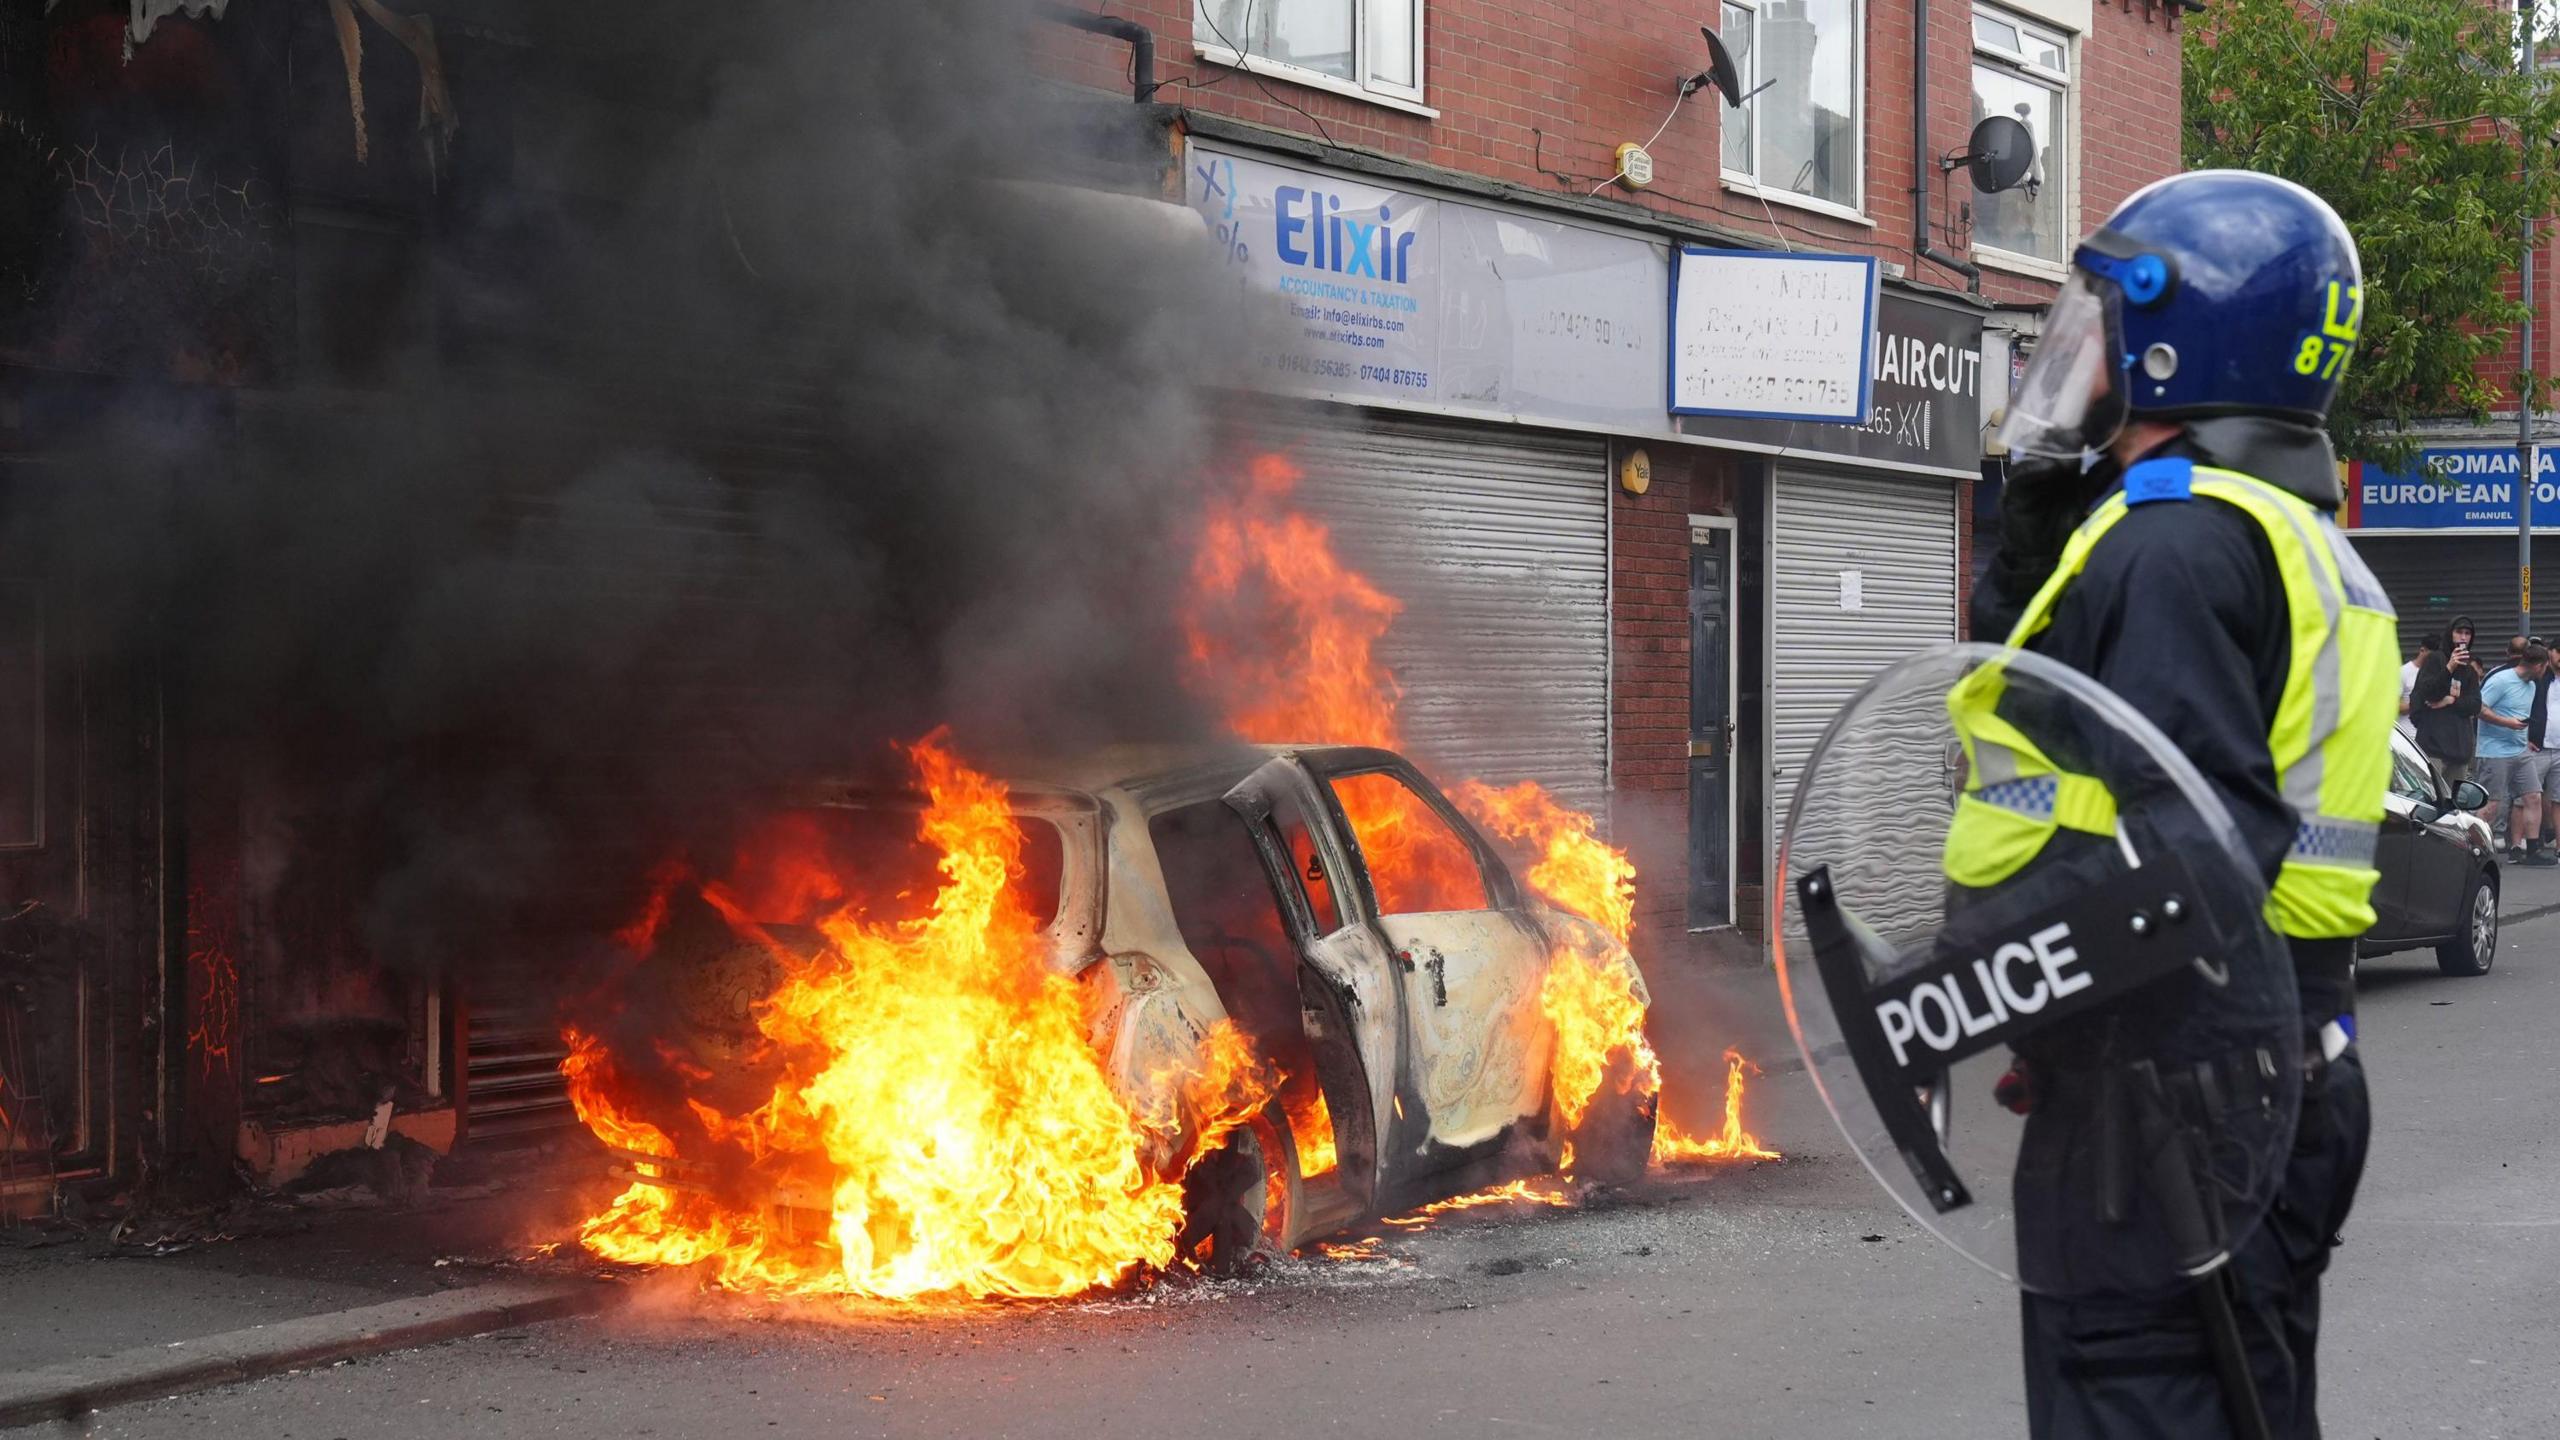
{"x":1497,"y":541}
{"x":2432,"y":578}
{"x":1899,"y":536}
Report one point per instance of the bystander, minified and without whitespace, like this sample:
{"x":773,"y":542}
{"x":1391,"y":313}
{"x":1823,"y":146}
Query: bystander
{"x":2505,"y":767}
{"x":2544,"y":770}
{"x":2435,"y":715}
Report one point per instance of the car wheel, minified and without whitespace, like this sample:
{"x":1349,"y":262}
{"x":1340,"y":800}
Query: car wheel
{"x":1614,"y":1142}
{"x":2475,"y":949}
{"x":1238,"y":1202}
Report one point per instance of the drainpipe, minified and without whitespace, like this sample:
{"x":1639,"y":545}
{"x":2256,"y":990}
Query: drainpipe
{"x":1922,"y":247}
{"x":1141,"y":41}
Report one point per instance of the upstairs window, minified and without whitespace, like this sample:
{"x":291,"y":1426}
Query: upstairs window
{"x":1802,"y":137}
{"x":1371,"y":48}
{"x":2023,"y":70}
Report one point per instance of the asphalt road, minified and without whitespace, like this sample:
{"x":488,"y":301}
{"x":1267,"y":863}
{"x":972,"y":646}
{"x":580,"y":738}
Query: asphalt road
{"x":1780,"y":1301}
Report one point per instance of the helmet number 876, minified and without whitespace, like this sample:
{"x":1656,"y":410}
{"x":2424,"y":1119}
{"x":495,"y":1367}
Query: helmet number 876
{"x":2308,"y":360}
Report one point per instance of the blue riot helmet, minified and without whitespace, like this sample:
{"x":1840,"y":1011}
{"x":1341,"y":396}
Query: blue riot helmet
{"x":2219,"y":292}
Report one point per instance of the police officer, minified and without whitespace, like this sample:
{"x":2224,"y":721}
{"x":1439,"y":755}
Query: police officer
{"x":2167,"y":530}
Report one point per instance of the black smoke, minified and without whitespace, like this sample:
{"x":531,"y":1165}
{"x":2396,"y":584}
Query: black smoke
{"x":727,"y":394}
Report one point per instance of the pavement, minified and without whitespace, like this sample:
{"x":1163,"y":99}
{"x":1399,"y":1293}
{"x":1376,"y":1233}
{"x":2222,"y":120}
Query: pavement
{"x":1772,"y":1300}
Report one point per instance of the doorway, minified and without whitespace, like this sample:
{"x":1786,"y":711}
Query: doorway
{"x":1711,"y":722}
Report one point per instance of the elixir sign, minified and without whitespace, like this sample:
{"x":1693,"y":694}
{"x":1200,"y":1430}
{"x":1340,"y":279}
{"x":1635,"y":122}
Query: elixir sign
{"x":1393,"y":296}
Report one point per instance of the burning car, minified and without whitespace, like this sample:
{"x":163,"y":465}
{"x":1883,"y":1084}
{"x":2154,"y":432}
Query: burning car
{"x":1325,"y":912}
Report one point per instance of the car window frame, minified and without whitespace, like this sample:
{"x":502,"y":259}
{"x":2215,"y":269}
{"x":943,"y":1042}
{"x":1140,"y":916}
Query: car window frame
{"x":1501,"y":888}
{"x":2401,"y":765}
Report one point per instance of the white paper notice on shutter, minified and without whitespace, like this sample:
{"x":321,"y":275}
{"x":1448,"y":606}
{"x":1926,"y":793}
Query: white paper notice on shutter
{"x":1763,"y":335}
{"x":1853,"y":590}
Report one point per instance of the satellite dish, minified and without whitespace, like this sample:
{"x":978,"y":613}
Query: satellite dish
{"x":2000,"y":154}
{"x":1721,"y":71}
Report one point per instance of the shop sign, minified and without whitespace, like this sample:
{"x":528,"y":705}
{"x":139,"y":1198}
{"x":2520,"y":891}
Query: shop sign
{"x":1925,"y":379}
{"x":1403,"y":297}
{"x":2454,"y":487}
{"x":1757,"y":334}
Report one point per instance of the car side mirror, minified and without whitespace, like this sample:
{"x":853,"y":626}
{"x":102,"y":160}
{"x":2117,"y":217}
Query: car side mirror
{"x":2469,"y":796}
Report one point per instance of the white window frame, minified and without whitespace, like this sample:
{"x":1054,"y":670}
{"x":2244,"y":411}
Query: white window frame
{"x":1207,"y":45}
{"x":2062,"y":83}
{"x":1750,"y":183}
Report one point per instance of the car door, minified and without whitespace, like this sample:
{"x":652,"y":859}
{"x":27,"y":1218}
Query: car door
{"x":1350,"y":1004}
{"x":1468,"y":959}
{"x":2396,"y":850}
{"x":2440,"y":875}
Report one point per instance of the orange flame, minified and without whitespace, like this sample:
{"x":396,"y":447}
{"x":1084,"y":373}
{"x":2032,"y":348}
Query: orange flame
{"x":1311,"y":1126}
{"x":1730,"y":1143}
{"x":939,"y":1102}
{"x":1522,"y":1192}
{"x":1285,"y":640}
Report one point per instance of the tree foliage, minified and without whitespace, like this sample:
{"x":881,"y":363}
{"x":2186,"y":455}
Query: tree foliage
{"x":2404,"y":115}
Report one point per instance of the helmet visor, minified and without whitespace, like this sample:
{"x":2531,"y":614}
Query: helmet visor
{"x":2072,"y":398}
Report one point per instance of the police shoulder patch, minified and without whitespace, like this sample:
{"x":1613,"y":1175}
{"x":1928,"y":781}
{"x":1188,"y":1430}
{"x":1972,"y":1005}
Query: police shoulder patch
{"x":2162,"y":479}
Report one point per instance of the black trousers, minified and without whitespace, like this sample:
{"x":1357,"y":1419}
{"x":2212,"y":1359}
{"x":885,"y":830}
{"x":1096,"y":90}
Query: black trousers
{"x":2135,"y":1370}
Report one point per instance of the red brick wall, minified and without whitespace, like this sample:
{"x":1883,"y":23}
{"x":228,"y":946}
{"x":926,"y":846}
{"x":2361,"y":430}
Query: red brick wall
{"x":1649,"y":740}
{"x":1591,"y":74}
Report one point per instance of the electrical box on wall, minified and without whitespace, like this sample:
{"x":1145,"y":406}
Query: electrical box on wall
{"x":1635,"y":166}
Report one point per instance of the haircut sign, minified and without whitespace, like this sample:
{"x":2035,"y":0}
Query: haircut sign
{"x":1924,"y":386}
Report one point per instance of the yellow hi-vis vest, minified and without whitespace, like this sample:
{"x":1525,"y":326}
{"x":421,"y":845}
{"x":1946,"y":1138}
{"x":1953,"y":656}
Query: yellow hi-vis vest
{"x":2331,"y":740}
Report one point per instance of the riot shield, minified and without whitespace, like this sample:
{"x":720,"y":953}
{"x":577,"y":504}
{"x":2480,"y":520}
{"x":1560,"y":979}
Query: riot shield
{"x":2021,"y":948}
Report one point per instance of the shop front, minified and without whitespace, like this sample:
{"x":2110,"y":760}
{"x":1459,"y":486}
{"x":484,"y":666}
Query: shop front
{"x":2440,"y":534}
{"x":1859,"y":525}
{"x":1452,"y":376}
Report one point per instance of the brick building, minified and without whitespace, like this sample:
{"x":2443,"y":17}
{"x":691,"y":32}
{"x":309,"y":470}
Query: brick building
{"x":1756,"y":570}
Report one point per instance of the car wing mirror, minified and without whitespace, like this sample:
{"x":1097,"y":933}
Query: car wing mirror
{"x":2469,"y":796}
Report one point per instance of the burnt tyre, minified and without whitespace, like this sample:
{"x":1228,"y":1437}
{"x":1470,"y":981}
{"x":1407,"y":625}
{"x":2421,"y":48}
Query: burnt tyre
{"x":1238,"y":1200}
{"x":2474,"y":948}
{"x":1614,"y":1142}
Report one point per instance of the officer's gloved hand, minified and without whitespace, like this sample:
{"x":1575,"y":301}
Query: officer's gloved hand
{"x":2042,"y":502}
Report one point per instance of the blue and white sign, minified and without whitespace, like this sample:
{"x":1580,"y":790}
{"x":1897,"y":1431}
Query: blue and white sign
{"x":1399,"y":297}
{"x":2463,"y":487}
{"x":1764,"y":335}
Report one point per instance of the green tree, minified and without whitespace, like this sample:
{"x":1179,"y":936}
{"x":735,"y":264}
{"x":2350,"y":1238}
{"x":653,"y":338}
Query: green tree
{"x":2404,"y":115}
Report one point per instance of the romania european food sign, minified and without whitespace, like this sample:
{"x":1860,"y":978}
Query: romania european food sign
{"x":2464,"y":487}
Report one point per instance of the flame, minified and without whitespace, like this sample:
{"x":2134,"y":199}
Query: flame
{"x":1524,"y":1192}
{"x":1311,"y":1126}
{"x":1285,"y":641}
{"x":1730,"y":1143}
{"x":1285,"y":636}
{"x":939,"y":1099}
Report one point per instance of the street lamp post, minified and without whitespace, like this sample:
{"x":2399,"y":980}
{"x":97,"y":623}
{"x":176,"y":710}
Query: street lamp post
{"x":2527,"y":458}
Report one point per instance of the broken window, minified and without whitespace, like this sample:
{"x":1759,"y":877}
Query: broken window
{"x":21,"y":715}
{"x":1418,"y":863}
{"x":1229,"y":918}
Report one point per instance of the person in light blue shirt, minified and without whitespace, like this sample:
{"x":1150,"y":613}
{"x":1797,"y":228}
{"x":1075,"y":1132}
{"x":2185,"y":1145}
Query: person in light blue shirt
{"x":2505,"y":762}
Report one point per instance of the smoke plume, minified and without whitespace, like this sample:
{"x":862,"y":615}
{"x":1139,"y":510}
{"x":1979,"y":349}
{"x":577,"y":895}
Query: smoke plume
{"x":744,"y":410}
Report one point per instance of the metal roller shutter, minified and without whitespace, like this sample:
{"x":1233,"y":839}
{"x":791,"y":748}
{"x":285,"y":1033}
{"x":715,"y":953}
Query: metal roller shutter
{"x":1899,"y":539}
{"x":2432,"y":578}
{"x":1497,"y":541}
